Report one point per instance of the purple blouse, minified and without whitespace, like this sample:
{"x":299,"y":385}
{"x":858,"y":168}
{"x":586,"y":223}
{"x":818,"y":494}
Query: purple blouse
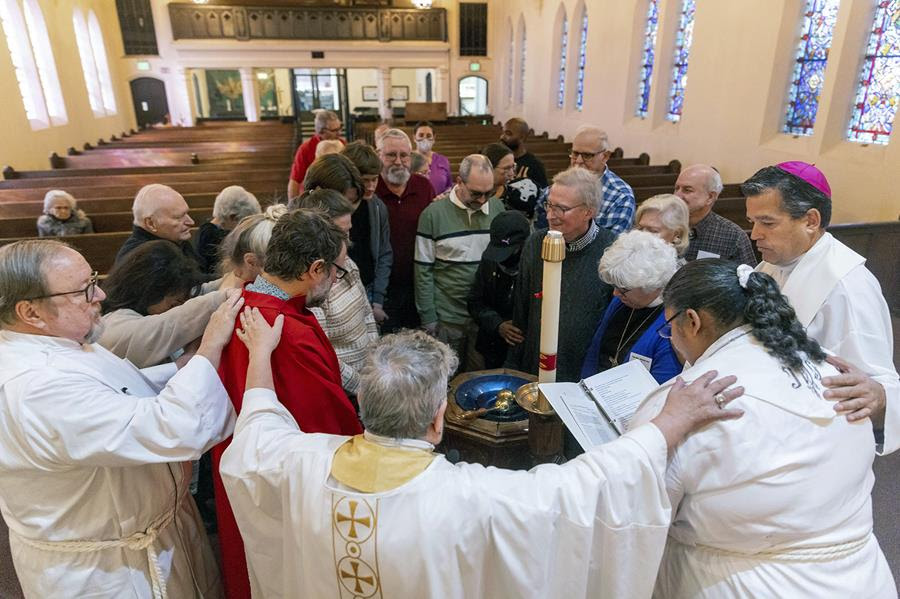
{"x":439,"y":173}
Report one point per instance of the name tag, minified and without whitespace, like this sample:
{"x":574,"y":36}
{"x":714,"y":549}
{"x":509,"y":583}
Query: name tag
{"x":701,"y":254}
{"x":642,"y":359}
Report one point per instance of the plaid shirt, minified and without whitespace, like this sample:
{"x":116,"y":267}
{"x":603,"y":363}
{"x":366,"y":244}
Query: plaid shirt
{"x":616,"y":207}
{"x":718,"y":235}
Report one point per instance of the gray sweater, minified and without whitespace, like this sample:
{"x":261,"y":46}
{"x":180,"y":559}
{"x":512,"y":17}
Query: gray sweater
{"x":583,"y":300}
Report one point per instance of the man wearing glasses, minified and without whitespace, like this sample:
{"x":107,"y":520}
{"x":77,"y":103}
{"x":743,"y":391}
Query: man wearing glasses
{"x":94,"y":453}
{"x":300,"y":267}
{"x":453,"y":232}
{"x":328,"y":127}
{"x":406,"y":195}
{"x":591,"y":151}
{"x":571,"y":208}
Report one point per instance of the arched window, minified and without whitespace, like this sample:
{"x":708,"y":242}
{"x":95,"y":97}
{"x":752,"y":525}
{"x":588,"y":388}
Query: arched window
{"x":563,"y":56}
{"x":683,"y":39}
{"x":99,"y":50}
{"x":582,"y":55}
{"x":809,"y":66}
{"x":520,"y":92}
{"x":510,"y":61}
{"x":878,"y":94}
{"x":94,"y":65}
{"x":32,"y":58}
{"x":643,"y":103}
{"x":46,"y":66}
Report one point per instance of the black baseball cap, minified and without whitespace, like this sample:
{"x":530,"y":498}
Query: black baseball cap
{"x":509,"y":230}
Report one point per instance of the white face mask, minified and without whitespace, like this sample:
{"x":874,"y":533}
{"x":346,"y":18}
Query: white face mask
{"x":424,"y":145}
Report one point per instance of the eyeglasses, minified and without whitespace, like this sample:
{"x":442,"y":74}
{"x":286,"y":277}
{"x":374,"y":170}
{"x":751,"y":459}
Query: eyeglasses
{"x":478,"y":195}
{"x":341,"y":272}
{"x":585,"y":156}
{"x":88,"y":291}
{"x":558,"y":209}
{"x":622,"y":290}
{"x":393,"y":156}
{"x":330,"y":130}
{"x":665,"y":331}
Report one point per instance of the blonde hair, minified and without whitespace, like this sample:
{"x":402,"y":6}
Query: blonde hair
{"x":251,"y":235}
{"x":673,"y":213}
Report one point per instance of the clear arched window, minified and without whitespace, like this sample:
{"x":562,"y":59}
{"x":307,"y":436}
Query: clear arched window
{"x":809,"y":65}
{"x":643,"y":102}
{"x":46,"y":66}
{"x":563,"y":57}
{"x":88,"y":68}
{"x":878,"y":94}
{"x":582,"y":57}
{"x":520,"y":92}
{"x":683,"y":39}
{"x":99,"y":50}
{"x":32,"y":58}
{"x":94,"y":64}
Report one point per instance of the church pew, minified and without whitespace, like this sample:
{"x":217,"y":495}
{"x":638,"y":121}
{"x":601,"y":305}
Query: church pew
{"x":119,"y":159}
{"x":168,"y":177}
{"x":21,"y":179}
{"x":33,"y":209}
{"x":99,"y":249}
{"x":104,"y":222}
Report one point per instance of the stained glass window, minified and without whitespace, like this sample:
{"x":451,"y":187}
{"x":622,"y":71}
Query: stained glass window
{"x":809,"y":65}
{"x":643,"y":102}
{"x":563,"y":56}
{"x":683,"y":39}
{"x":878,"y":94}
{"x":582,"y":53}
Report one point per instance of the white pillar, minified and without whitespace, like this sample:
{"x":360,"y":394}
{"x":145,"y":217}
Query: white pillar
{"x":384,"y":92}
{"x":251,"y":101}
{"x":443,"y":91}
{"x":182,"y":112}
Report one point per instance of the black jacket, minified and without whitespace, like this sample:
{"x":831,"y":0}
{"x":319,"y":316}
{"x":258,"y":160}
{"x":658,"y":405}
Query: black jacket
{"x":490,"y":302}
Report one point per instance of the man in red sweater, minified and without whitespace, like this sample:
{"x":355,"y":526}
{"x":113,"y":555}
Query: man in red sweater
{"x":406,"y":195}
{"x":328,"y":126}
{"x":302,"y":261}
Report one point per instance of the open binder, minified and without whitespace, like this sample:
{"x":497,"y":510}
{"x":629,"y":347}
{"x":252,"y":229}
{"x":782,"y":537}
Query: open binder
{"x":598,"y":409}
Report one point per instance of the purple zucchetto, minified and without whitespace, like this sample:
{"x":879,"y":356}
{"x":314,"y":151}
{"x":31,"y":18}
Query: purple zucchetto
{"x":808,"y":173}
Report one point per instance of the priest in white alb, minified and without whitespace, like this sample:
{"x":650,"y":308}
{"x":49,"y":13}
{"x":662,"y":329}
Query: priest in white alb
{"x":381,"y":515}
{"x":94,"y":453}
{"x":836,"y":298}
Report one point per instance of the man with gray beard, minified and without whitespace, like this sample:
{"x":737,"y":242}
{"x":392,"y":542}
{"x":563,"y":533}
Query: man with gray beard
{"x":94,"y":453}
{"x":406,"y":195}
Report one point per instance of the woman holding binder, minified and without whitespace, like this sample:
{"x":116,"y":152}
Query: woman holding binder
{"x":638,"y":265}
{"x":777,"y":503}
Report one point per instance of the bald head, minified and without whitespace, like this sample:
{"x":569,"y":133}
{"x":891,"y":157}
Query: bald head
{"x":590,"y":149}
{"x":162,"y":211}
{"x":699,"y":185}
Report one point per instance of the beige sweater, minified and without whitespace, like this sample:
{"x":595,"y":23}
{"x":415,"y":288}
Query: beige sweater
{"x":150,"y":340}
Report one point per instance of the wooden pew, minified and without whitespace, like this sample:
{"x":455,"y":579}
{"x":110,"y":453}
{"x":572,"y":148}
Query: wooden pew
{"x":99,"y":249}
{"x":104,"y":222}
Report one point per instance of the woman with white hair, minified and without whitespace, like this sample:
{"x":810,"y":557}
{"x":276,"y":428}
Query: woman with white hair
{"x":61,"y":216}
{"x":665,"y":215}
{"x":638,"y":265}
{"x":232,"y":204}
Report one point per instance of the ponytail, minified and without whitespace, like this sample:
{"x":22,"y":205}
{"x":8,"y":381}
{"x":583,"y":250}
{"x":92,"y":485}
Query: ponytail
{"x":775,"y":324}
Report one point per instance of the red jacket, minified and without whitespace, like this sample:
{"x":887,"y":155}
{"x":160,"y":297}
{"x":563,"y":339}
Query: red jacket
{"x":307,"y":381}
{"x":306,"y":155}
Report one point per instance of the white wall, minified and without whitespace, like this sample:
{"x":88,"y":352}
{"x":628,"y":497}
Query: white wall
{"x":740,"y":64}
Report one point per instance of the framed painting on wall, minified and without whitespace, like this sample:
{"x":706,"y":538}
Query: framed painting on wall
{"x":370,"y":93}
{"x":400,"y":92}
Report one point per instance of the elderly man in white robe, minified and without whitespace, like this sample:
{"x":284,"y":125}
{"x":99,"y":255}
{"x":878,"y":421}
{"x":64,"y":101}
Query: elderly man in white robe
{"x":836,"y":298}
{"x":382,"y":515}
{"x":777,"y":503}
{"x":94,"y":453}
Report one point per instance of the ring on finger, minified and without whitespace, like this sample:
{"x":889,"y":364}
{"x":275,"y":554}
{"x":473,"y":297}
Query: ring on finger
{"x":720,"y":400}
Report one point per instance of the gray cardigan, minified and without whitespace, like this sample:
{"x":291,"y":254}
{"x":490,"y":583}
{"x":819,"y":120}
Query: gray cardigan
{"x":382,"y":254}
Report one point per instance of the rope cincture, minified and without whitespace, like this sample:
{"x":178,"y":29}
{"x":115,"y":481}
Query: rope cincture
{"x":824,"y":553}
{"x":139,"y":541}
